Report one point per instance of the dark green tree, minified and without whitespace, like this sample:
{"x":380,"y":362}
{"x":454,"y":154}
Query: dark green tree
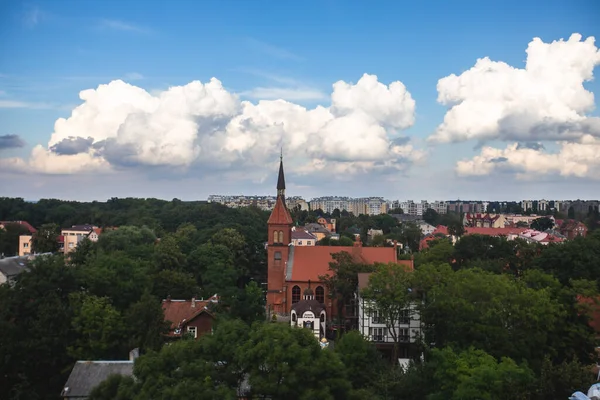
{"x":45,"y":240}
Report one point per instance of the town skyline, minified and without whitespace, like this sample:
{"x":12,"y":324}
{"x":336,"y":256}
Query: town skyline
{"x":488,"y":111}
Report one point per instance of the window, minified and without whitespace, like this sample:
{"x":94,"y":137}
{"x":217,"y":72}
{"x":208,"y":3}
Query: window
{"x":278,"y":255}
{"x":275,"y":237}
{"x":295,"y":294}
{"x":405,"y":316}
{"x":376,"y":334}
{"x":299,"y":242}
{"x":403,"y":335}
{"x":193,"y":331}
{"x":376,"y":317}
{"x":25,"y":245}
{"x":320,"y":294}
{"x":293,"y":317}
{"x":280,"y":236}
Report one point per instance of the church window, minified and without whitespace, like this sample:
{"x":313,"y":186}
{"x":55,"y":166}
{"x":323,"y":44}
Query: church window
{"x":293,"y":317}
{"x":295,"y":294}
{"x":280,"y":236}
{"x":320,"y":294}
{"x":275,"y":237}
{"x":278,"y":255}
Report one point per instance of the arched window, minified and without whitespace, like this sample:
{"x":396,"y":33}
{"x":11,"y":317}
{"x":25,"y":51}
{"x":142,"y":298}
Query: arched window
{"x":278,"y":255}
{"x":295,"y":294}
{"x":320,"y":294}
{"x":293,"y":317}
{"x":275,"y":237}
{"x":280,"y":236}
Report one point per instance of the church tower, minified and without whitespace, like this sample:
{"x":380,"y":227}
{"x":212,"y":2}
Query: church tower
{"x":280,"y":236}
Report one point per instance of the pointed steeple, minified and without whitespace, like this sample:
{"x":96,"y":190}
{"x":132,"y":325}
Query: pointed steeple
{"x":281,"y":177}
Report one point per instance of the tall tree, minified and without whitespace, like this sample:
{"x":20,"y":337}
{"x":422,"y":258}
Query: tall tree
{"x":45,"y":240}
{"x":390,"y":293}
{"x":342,"y":281}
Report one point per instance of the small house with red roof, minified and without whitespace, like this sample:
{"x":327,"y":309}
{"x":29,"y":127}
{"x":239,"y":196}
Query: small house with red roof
{"x":193,"y":317}
{"x":291,"y":269}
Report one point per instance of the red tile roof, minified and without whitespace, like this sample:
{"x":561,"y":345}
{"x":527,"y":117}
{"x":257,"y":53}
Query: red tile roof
{"x":310,"y":262}
{"x":179,"y":311}
{"x":280,"y":214}
{"x":25,"y":224}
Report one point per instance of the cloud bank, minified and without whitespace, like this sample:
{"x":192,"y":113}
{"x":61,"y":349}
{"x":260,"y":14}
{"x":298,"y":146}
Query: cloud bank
{"x":545,"y":101}
{"x":120,"y":126}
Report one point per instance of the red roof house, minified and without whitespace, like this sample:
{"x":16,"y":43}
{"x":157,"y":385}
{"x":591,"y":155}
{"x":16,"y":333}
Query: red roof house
{"x":189,"y":316}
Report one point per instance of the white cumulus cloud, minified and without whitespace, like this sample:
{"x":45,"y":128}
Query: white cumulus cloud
{"x":546,"y":100}
{"x":119,"y":125}
{"x":578,"y":159}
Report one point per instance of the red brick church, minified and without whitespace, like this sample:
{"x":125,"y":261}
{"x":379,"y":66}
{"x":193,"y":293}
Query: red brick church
{"x":291,"y":269}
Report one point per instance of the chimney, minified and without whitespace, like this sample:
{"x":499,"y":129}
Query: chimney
{"x":133,"y":354}
{"x":193,"y":302}
{"x":169,"y":297}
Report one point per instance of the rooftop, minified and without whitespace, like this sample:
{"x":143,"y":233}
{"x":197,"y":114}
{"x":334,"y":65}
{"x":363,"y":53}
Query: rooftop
{"x":86,"y":375}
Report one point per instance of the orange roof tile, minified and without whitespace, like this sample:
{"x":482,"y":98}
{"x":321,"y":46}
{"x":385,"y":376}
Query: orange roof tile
{"x":310,"y":262}
{"x":280,"y":214}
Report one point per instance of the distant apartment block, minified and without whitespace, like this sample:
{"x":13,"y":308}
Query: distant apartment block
{"x":265,"y":203}
{"x":412,"y":208}
{"x":474,"y":207}
{"x":356,"y":206}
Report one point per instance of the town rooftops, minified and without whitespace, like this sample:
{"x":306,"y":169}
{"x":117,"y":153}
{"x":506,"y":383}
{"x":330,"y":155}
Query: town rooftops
{"x":24,"y":224}
{"x":309,"y":262}
{"x":86,"y":375}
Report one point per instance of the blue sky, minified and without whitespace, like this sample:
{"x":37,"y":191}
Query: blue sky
{"x":295,"y":51}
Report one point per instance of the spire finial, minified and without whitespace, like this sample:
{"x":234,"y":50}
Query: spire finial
{"x":281,"y":154}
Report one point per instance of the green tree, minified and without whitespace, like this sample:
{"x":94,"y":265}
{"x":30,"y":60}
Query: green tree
{"x":361,"y":359}
{"x":83,"y":252}
{"x":431,"y":217}
{"x":248,"y":304}
{"x":473,"y":375}
{"x":456,"y":228}
{"x":389,"y":292}
{"x":542,"y":224}
{"x":287,"y":363}
{"x":168,"y":255}
{"x":45,"y":240}
{"x":342,"y":281}
{"x":100,"y":328}
{"x":145,"y":322}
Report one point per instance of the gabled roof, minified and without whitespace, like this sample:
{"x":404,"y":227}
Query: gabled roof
{"x":86,"y":375}
{"x":280,"y":214}
{"x":309,"y":262}
{"x":24,"y":224}
{"x":180,"y":312}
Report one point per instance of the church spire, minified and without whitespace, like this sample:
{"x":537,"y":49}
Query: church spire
{"x":281,"y":177}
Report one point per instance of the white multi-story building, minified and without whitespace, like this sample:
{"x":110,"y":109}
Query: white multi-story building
{"x":375,"y":328}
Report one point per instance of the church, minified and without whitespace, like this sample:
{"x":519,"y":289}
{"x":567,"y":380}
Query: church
{"x":295,"y":270}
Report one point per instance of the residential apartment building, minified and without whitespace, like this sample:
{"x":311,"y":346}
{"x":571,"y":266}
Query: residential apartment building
{"x":411,"y":208}
{"x":356,"y":206}
{"x":75,"y":234}
{"x":460,"y":207}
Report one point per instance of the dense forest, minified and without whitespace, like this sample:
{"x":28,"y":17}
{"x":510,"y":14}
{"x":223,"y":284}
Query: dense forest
{"x":501,"y":319}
